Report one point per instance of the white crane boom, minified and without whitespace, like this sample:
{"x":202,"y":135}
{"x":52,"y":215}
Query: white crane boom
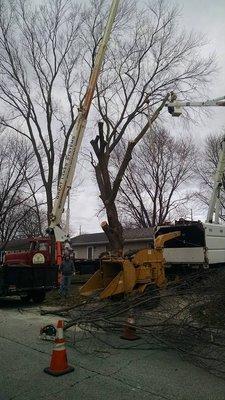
{"x":78,"y":132}
{"x":214,"y":204}
{"x":219,"y":101}
{"x":175,"y":109}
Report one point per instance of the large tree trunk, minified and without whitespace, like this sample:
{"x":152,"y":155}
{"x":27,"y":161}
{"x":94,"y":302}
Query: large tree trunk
{"x":113,"y":229}
{"x":49,"y":198}
{"x":109,"y":189}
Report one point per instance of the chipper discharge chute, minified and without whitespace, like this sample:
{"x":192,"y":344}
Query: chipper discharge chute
{"x":125,"y":275}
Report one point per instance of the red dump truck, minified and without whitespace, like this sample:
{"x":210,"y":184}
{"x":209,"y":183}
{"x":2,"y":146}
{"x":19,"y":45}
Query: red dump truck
{"x":28,"y":269}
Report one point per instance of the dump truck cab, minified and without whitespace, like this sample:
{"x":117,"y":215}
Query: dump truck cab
{"x":39,"y":252}
{"x":28,"y":269}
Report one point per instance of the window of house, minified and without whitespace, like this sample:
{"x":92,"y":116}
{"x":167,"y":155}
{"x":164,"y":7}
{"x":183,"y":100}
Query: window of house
{"x":90,"y":253}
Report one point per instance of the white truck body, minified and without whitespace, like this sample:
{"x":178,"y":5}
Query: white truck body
{"x":215,"y":243}
{"x":184,"y":255}
{"x":207,"y":246}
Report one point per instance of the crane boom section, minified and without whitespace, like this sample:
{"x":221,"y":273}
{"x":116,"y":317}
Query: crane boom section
{"x":219,"y":101}
{"x":175,"y":109}
{"x":80,"y":124}
{"x":214,"y":200}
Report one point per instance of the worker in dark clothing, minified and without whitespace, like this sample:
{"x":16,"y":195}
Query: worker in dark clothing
{"x":67,"y":270}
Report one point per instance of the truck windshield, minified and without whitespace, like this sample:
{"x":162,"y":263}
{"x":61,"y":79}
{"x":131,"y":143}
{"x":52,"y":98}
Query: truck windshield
{"x":38,"y":246}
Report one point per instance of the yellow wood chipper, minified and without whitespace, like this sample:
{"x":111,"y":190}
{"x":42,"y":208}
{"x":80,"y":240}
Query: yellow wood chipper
{"x":123,"y":275}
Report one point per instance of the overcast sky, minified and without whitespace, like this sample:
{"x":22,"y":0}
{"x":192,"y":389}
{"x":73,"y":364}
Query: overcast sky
{"x":207,"y":17}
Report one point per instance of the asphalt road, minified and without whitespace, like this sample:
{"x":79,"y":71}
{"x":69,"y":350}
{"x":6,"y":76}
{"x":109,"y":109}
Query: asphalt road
{"x":101,"y":371}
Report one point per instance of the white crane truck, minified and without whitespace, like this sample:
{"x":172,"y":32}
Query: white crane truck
{"x":201,"y":243}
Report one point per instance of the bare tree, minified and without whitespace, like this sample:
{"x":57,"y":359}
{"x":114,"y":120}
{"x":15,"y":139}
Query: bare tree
{"x":22,"y":221}
{"x":18,"y":192}
{"x":157,"y":182}
{"x":39,"y":52}
{"x":31,"y":220}
{"x":145,"y":62}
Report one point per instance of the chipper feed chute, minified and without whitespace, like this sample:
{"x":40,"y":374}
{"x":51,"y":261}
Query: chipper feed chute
{"x":115,"y":276}
{"x":125,"y":275}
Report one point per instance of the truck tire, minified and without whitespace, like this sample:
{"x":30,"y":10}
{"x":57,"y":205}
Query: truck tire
{"x":38,"y":296}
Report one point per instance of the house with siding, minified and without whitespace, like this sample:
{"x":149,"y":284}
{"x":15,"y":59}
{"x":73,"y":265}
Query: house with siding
{"x":90,"y":246}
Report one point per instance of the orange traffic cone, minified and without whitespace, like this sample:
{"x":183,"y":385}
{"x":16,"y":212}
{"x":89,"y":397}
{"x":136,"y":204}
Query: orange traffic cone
{"x":129,"y":330}
{"x":59,"y":365}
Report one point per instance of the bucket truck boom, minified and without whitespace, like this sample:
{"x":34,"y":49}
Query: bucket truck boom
{"x":175,"y":106}
{"x":175,"y":109}
{"x":77,"y":135}
{"x":214,"y":204}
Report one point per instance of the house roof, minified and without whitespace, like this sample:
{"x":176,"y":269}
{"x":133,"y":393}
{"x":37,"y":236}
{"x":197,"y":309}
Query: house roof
{"x":130,"y":235}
